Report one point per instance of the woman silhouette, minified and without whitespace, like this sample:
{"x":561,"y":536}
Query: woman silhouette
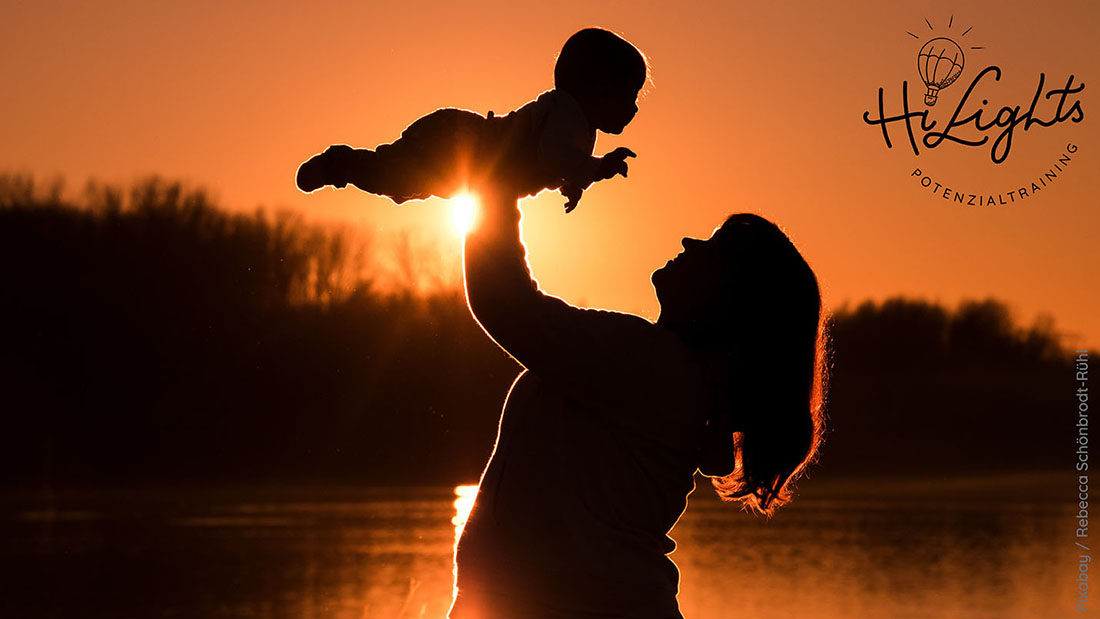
{"x":602,"y":434}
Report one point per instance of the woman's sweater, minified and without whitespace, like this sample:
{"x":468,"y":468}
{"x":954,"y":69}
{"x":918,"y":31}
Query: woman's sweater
{"x":595,"y":454}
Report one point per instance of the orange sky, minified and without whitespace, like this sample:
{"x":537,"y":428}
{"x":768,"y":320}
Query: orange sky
{"x":755,"y":108}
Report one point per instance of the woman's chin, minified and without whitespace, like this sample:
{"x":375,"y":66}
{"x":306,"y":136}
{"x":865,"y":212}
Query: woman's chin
{"x":660,"y":280}
{"x":664,"y":271}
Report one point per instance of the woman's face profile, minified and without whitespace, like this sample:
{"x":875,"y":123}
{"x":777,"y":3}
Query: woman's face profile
{"x":688,"y":284}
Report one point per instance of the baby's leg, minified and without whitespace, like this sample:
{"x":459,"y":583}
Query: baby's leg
{"x":380,"y":171}
{"x":400,"y":171}
{"x":435,"y":156}
{"x":438,"y":155}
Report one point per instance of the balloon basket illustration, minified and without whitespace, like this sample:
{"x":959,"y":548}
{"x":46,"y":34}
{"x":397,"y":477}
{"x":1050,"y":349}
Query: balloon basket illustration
{"x":940,"y":63}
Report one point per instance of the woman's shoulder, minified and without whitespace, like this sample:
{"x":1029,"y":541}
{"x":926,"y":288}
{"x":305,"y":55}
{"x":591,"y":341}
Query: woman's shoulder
{"x":655,"y":364}
{"x":640,"y":332}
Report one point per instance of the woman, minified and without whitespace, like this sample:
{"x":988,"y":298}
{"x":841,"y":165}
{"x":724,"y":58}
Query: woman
{"x":602,"y":434}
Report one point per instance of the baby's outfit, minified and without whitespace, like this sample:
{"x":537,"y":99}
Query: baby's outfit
{"x":542,"y":145}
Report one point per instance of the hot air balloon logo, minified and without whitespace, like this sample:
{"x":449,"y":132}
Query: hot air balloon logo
{"x":940,"y":63}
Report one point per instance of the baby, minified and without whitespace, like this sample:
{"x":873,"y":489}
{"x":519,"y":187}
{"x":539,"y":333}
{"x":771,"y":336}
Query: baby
{"x":546,"y":144}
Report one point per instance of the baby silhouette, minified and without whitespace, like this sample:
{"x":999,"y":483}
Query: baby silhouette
{"x":545,"y":144}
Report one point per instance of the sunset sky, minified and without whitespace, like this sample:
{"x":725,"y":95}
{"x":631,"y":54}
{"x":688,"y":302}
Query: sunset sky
{"x":753,"y":107}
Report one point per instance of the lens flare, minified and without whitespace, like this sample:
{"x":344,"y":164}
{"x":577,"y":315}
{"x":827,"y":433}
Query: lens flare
{"x":463,"y":213}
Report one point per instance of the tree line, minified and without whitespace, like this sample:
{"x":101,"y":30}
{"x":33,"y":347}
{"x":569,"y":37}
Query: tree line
{"x":151,"y":336}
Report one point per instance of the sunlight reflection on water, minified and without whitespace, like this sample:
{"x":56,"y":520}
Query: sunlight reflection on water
{"x":463,"y":503}
{"x":390,"y":556}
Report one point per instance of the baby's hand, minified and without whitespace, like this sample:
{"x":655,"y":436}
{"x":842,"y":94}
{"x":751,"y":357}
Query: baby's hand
{"x":614,"y":163}
{"x":573,"y":192}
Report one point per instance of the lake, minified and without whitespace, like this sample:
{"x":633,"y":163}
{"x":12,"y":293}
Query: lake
{"x":976,"y":547}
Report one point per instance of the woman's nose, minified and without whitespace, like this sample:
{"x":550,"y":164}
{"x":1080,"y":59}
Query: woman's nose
{"x":689,"y":242}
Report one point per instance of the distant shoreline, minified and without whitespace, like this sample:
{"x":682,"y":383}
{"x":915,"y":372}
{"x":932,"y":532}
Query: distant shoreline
{"x":1027,"y":486}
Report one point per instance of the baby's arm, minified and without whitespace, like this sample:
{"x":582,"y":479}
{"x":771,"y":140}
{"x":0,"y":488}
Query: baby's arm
{"x":606,"y":167}
{"x":568,"y":160}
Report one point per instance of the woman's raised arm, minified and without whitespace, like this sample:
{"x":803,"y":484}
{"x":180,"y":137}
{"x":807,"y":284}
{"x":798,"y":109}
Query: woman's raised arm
{"x":501,"y":294}
{"x":597,"y":354}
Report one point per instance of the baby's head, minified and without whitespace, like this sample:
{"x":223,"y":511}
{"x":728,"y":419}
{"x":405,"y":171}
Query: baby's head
{"x":604,"y":73}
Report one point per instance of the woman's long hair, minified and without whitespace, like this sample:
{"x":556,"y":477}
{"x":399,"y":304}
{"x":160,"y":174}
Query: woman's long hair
{"x":765,"y":350}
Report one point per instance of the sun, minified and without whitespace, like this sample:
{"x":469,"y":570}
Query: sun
{"x":463,"y":213}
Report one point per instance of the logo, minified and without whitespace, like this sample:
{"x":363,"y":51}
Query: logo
{"x":978,"y":119}
{"x":940,"y":63}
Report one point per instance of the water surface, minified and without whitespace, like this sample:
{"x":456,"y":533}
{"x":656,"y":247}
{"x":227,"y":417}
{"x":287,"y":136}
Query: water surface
{"x":927,"y":550}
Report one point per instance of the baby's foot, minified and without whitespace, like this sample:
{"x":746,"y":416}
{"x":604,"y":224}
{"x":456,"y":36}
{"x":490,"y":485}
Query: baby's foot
{"x":327,"y":168}
{"x":312,"y":174}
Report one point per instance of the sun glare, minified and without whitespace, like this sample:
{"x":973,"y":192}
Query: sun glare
{"x":463,"y":211}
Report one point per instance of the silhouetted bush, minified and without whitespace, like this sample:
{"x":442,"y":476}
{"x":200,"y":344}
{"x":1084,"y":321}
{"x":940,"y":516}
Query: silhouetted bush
{"x":919,"y":389}
{"x":157,"y":337}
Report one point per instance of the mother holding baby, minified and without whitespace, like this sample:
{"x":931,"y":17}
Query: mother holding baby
{"x":603,"y":432}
